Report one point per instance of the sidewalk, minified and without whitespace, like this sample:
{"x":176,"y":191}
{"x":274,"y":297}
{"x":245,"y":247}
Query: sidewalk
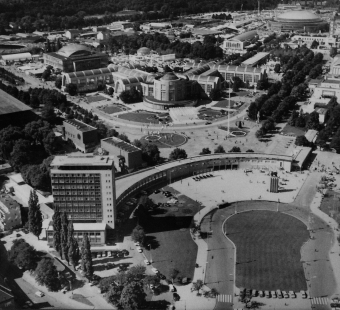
{"x":335,"y":250}
{"x":189,"y":300}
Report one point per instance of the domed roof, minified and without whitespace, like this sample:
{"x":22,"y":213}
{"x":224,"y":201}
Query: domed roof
{"x":169,"y":77}
{"x":143,"y":50}
{"x":70,"y":49}
{"x":298,"y":16}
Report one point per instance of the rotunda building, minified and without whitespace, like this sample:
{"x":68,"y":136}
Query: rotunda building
{"x":298,"y":21}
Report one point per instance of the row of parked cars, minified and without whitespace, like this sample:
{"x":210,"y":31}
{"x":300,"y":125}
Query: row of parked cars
{"x":272,"y":294}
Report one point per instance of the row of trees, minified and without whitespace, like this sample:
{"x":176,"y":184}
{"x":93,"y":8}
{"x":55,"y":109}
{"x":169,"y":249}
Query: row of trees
{"x":282,"y":96}
{"x":10,"y":77}
{"x":161,"y":44}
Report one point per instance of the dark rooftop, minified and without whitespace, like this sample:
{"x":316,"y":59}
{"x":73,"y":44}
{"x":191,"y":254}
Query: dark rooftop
{"x":9,"y":104}
{"x":80,"y":125}
{"x":122,"y":144}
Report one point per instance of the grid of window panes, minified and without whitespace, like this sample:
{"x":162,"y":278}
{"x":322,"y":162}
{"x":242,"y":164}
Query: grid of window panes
{"x":78,"y":194}
{"x":94,"y":237}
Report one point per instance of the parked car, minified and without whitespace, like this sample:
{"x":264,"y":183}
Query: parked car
{"x":267,"y":293}
{"x":285,"y":294}
{"x":99,"y":255}
{"x":253,"y":293}
{"x":292,"y":294}
{"x":146,"y":262}
{"x":279,"y":294}
{"x":140,"y":250}
{"x":154,"y":270}
{"x":39,"y":294}
{"x":261,"y":293}
{"x":172,"y":288}
{"x":304,"y":294}
{"x":109,"y":254}
{"x":273,"y":293}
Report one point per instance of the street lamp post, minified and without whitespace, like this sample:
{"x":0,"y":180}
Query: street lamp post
{"x":150,"y":253}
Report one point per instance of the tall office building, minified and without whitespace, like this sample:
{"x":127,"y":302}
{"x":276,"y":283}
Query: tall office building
{"x":83,"y":186}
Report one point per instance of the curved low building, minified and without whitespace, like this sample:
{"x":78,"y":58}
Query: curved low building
{"x":298,"y":21}
{"x":143,"y":51}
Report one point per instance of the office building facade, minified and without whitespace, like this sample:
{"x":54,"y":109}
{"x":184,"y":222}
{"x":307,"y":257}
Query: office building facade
{"x":83,"y":186}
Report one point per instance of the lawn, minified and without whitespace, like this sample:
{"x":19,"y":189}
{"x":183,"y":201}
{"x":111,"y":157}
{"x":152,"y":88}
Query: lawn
{"x":225,"y":104}
{"x":268,"y":250}
{"x":164,"y":140}
{"x":293,"y":131}
{"x":95,"y":98}
{"x":142,"y":117}
{"x":112,"y":109}
{"x":210,"y":114}
{"x":168,"y":232}
{"x":330,"y":205}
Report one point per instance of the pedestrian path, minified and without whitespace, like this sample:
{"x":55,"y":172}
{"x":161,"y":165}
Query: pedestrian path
{"x":225,"y":298}
{"x":319,"y":301}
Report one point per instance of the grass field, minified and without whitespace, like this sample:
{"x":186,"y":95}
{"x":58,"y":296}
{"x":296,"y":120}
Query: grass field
{"x":112,"y":109}
{"x":225,"y":104}
{"x":293,"y":131}
{"x":95,"y":98}
{"x":268,"y":250}
{"x":169,"y":235}
{"x":164,"y":140}
{"x":330,"y":205}
{"x":142,"y":118}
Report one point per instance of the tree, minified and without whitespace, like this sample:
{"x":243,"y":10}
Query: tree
{"x":46,"y":274}
{"x":178,"y":153}
{"x":21,"y":154}
{"x":22,"y":254}
{"x":113,"y":294}
{"x":136,"y":273}
{"x":150,"y":153}
{"x":314,"y":45}
{"x":138,"y":234}
{"x":64,"y":235}
{"x":48,"y":113}
{"x":46,"y":74}
{"x":332,"y":103}
{"x":58,"y":83}
{"x":173,"y":273}
{"x":197,"y":285}
{"x":333,"y":52}
{"x":56,"y":218}
{"x":72,"y":89}
{"x":249,"y":151}
{"x":277,"y":68}
{"x":34,"y":214}
{"x":237,"y":84}
{"x":235,"y":149}
{"x":219,"y":149}
{"x":137,"y":143}
{"x":133,"y":296}
{"x":73,"y":247}
{"x":302,"y":141}
{"x":124,"y":138}
{"x":86,"y":257}
{"x":151,"y":279}
{"x":313,"y":121}
{"x":205,"y":151}
{"x":215,"y":94}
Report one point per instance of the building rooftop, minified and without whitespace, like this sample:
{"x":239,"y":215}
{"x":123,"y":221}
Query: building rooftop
{"x":81,"y":160}
{"x":72,"y":49}
{"x":9,"y":104}
{"x":311,"y":134}
{"x":245,"y":36}
{"x":253,"y":60}
{"x":121,"y":144}
{"x":80,"y":125}
{"x":298,"y":15}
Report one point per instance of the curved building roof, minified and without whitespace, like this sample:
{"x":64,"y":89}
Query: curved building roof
{"x":298,"y":16}
{"x":70,"y":49}
{"x":245,"y":36}
{"x":89,"y":73}
{"x":169,"y":77}
{"x":143,"y":51}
